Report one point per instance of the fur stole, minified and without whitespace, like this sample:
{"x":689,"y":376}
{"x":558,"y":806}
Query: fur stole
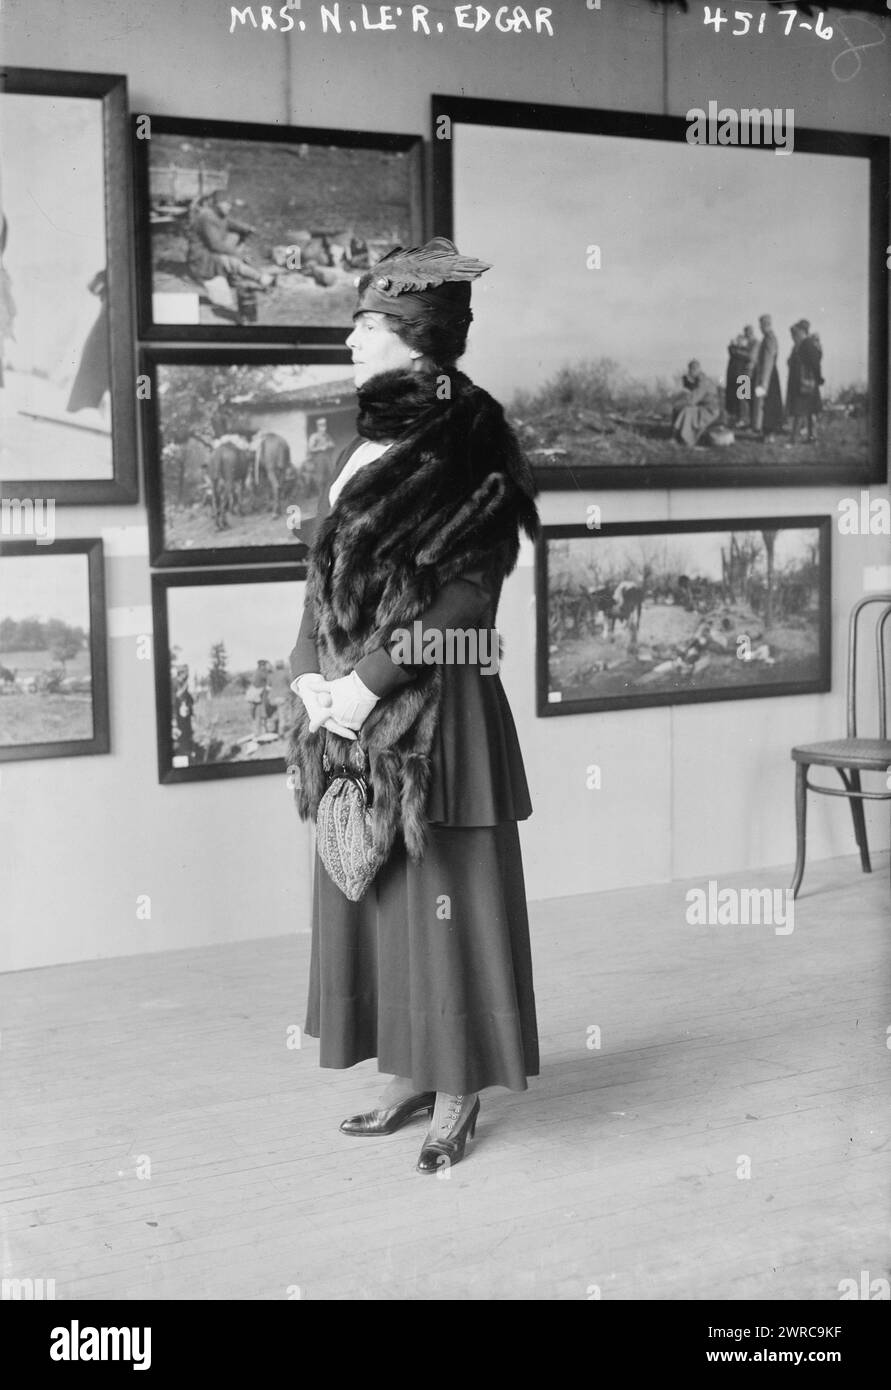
{"x":450,"y":495}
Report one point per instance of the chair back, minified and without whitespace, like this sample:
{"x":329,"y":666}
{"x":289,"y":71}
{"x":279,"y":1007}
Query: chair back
{"x":854,"y":626}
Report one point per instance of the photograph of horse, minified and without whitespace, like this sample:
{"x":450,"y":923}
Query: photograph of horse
{"x":666,"y":613}
{"x":239,"y":451}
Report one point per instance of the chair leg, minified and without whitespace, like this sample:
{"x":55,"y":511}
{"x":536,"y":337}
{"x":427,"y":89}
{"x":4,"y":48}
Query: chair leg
{"x":858,"y":815}
{"x":800,"y":825}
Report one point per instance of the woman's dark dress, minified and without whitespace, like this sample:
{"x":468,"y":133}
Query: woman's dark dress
{"x":430,"y":972}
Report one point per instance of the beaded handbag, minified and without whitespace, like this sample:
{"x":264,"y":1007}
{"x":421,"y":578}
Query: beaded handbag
{"x":343,"y":827}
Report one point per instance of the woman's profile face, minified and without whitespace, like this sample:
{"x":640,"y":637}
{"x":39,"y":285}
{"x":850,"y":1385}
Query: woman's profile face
{"x":375,"y":347}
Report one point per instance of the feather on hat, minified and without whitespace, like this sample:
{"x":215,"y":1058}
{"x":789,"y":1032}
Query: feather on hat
{"x":420,"y":278}
{"x":424,"y":267}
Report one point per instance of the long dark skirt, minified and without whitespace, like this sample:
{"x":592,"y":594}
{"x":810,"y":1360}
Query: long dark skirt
{"x":431,"y":971}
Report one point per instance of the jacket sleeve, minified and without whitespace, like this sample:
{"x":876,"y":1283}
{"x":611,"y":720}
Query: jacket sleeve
{"x":304,"y":658}
{"x":458,"y":604}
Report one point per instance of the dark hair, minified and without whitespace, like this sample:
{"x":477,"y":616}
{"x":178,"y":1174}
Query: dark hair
{"x":438,"y":334}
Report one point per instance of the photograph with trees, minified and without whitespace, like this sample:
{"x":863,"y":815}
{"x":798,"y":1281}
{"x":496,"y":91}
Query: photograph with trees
{"x":665,"y":313}
{"x":53,"y":665}
{"x":222,"y":680}
{"x":661,"y":613}
{"x":239,"y":447}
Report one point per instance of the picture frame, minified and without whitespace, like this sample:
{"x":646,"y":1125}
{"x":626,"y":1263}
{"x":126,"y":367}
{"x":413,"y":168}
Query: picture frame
{"x":633,"y":283}
{"x":66,"y":321}
{"x":213,"y":720}
{"x":238,"y":447}
{"x":637,"y":614}
{"x":219,"y":216}
{"x":53,"y":650}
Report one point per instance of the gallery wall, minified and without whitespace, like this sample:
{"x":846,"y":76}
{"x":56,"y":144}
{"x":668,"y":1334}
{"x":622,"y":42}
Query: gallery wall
{"x":685,"y":791}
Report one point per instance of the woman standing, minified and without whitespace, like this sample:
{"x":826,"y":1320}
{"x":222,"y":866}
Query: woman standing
{"x":430,"y":971}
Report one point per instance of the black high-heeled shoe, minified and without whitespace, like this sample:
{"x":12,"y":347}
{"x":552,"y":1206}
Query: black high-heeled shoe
{"x":393,"y":1117}
{"x":452,"y":1149}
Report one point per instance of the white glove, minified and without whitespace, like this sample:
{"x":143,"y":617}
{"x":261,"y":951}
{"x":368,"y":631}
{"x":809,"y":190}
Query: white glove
{"x":313,"y":691}
{"x":760,"y":390}
{"x":351,"y":700}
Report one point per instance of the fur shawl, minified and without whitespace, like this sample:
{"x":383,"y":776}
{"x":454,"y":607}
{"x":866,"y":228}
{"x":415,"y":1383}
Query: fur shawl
{"x":450,"y":495}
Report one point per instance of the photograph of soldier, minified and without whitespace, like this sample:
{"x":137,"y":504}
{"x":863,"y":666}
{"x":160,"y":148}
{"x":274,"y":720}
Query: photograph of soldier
{"x":228,"y":705}
{"x":244,"y":231}
{"x":601,"y":386}
{"x":767,"y":415}
{"x":803,"y":399}
{"x":264,"y":710}
{"x":184,"y":745}
{"x":321,"y":451}
{"x":697,"y":408}
{"x":214,"y":241}
{"x":742,"y":351}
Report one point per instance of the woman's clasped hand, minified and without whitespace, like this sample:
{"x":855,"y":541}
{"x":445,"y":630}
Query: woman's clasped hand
{"x":340,"y":705}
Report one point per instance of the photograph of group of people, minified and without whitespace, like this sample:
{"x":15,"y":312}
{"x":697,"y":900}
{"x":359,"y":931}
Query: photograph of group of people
{"x":228,"y":702}
{"x":622,"y":375}
{"x":754,"y":402}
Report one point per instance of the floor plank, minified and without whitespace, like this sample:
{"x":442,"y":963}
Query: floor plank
{"x":621,"y":1171}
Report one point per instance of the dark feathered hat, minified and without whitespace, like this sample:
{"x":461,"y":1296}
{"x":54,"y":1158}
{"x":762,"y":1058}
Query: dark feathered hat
{"x":435,"y":276}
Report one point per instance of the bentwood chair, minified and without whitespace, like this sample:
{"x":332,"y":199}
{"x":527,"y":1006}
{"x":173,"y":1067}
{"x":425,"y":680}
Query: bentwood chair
{"x":852,"y":755}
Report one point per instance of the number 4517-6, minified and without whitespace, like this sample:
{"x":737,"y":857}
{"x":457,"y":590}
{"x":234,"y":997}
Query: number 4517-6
{"x":744,"y":17}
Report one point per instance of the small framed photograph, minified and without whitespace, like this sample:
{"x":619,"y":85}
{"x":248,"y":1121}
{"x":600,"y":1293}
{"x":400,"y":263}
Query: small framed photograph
{"x":671,"y":613}
{"x":222,"y":676}
{"x":238,"y":449}
{"x":67,"y":413}
{"x":665,"y":313}
{"x":257,"y":233}
{"x":53,"y":660}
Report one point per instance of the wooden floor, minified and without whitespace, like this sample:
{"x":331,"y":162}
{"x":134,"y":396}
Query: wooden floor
{"x":722,"y":1049}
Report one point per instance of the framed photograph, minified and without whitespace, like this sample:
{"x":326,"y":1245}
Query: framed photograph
{"x":671,"y":613}
{"x":53,"y":661}
{"x":257,"y":233}
{"x":67,"y":414}
{"x":222,"y":677}
{"x":668,"y":314}
{"x":238,"y":449}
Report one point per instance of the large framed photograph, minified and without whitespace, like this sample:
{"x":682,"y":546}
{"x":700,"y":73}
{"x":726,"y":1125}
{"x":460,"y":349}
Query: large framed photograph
{"x":670,"y":613}
{"x":67,"y":415}
{"x":257,"y":233}
{"x":222,"y":677}
{"x":53,"y":659}
{"x":238,"y":450}
{"x":668,"y":314}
